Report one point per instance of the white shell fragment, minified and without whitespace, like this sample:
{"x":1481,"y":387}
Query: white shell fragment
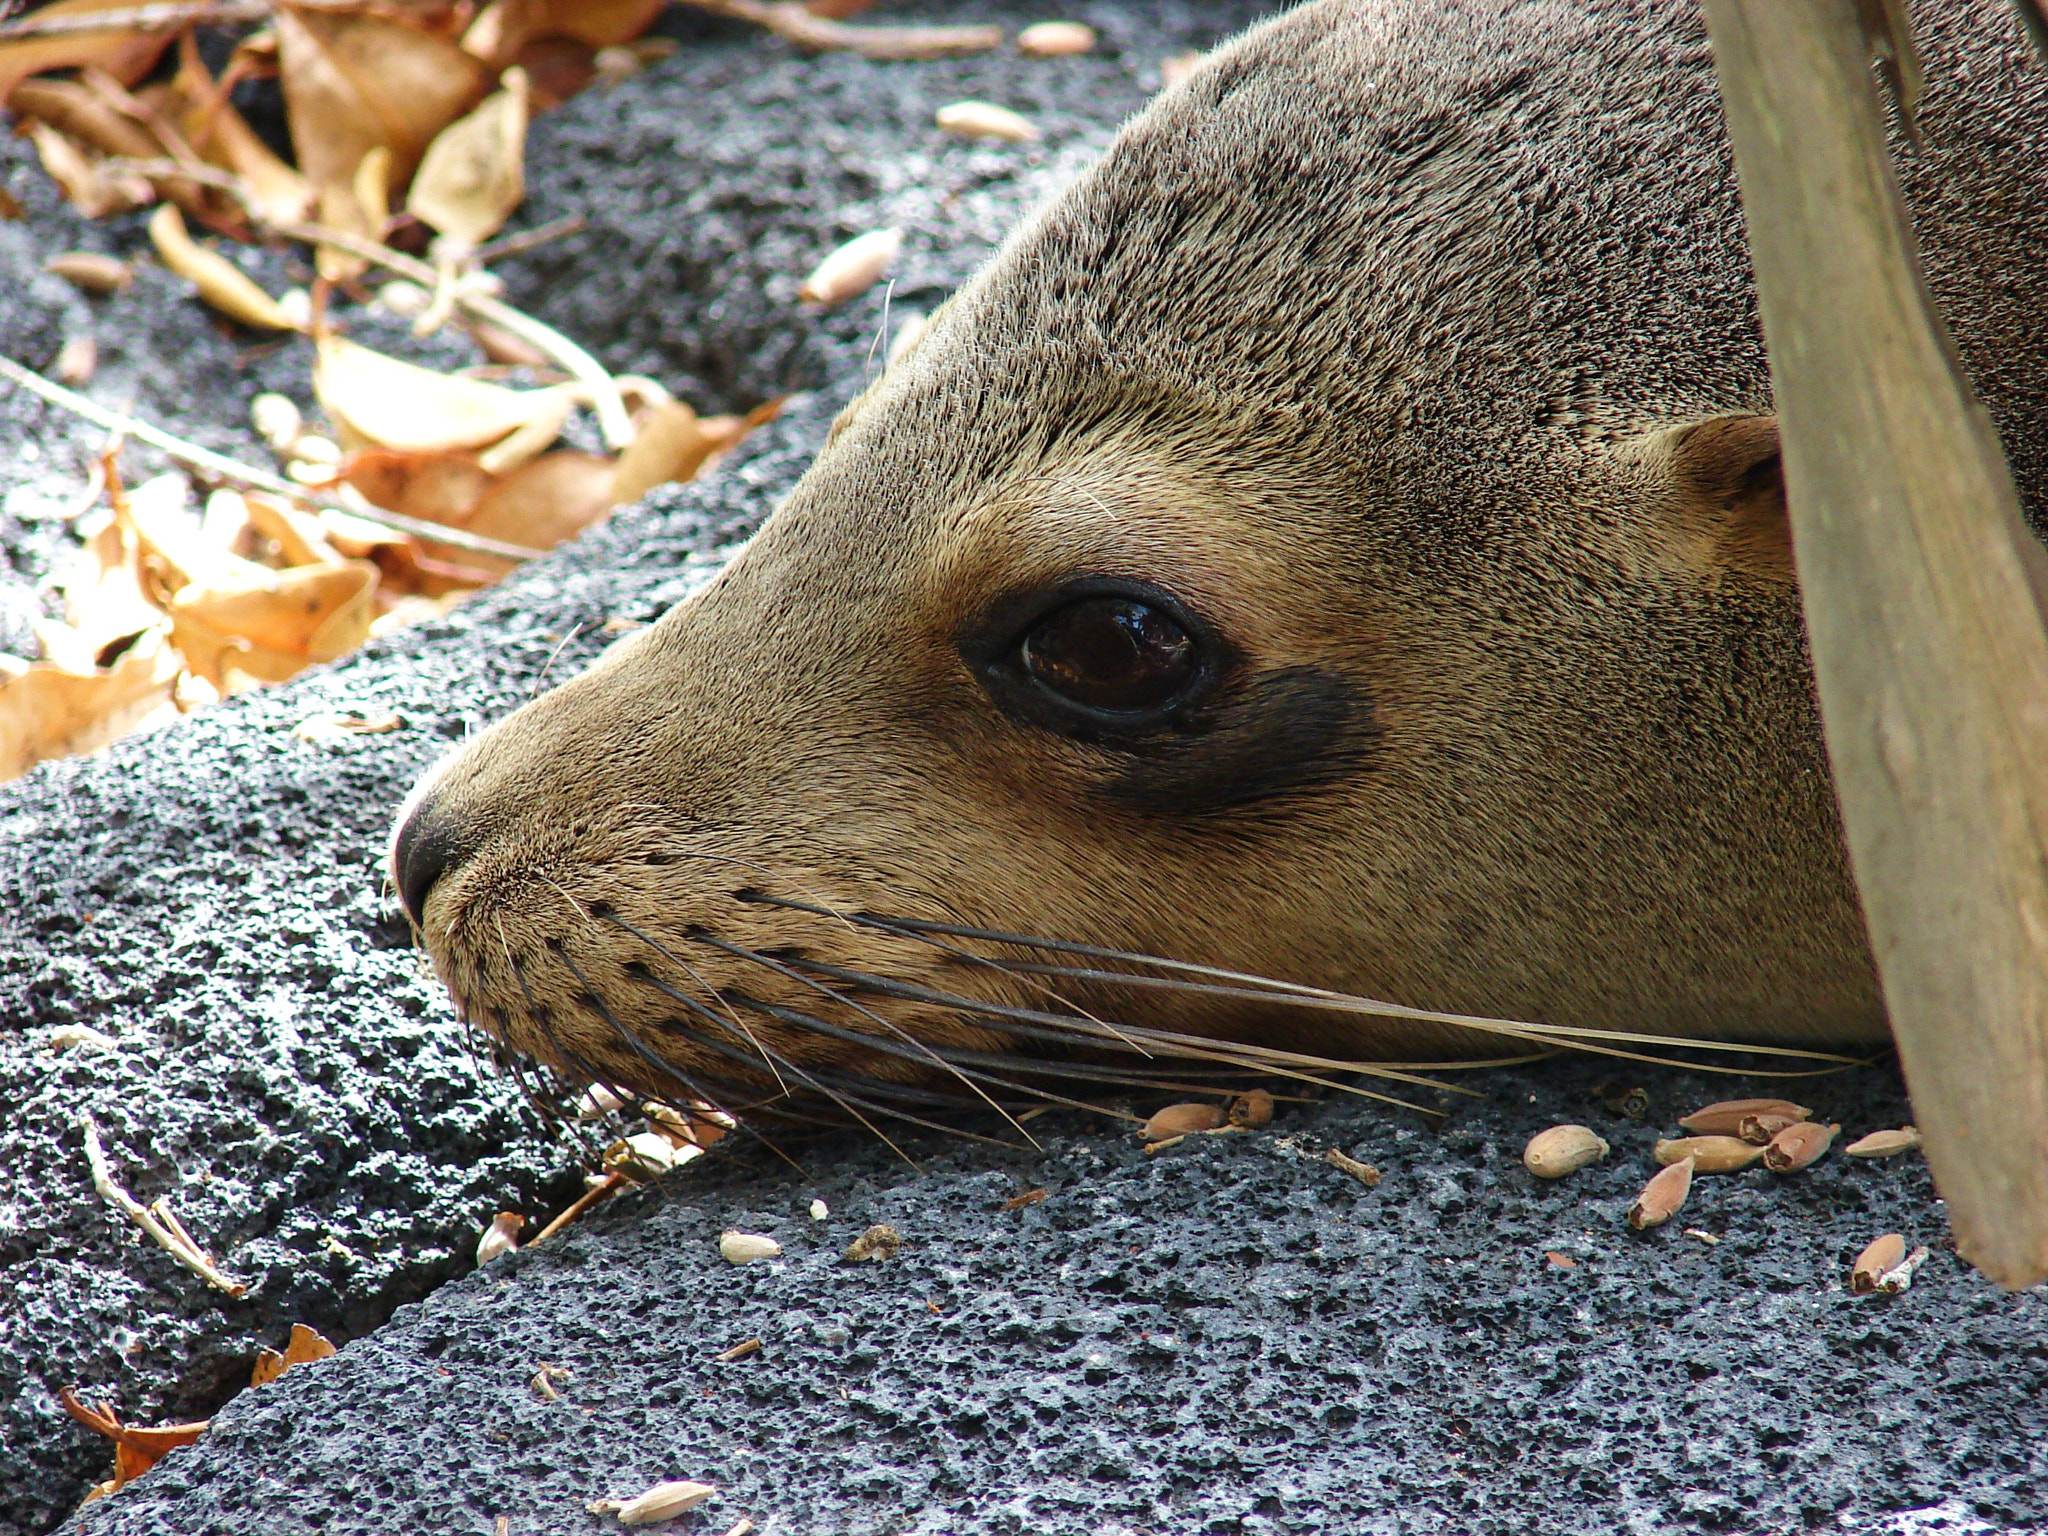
{"x":746,"y":1247}
{"x":852,"y":269}
{"x":499,"y":1238}
{"x":1052,"y":39}
{"x":986,"y":120}
{"x":819,"y":1210}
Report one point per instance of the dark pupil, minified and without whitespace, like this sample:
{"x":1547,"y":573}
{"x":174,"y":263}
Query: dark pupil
{"x":1110,"y":653}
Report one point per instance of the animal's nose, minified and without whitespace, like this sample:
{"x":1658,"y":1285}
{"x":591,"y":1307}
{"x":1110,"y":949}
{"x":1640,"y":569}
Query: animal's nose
{"x":423,"y":849}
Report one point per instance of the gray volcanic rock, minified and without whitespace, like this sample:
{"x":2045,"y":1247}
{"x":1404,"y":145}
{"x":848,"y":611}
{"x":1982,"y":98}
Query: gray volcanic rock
{"x":212,"y":895}
{"x":1228,"y":1336}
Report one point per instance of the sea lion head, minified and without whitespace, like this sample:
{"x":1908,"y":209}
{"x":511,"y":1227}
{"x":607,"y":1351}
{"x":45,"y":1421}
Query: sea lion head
{"x":1339,"y":540}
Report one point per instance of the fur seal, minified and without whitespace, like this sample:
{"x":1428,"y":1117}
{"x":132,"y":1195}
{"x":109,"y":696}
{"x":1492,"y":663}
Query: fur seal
{"x":1338,"y":541}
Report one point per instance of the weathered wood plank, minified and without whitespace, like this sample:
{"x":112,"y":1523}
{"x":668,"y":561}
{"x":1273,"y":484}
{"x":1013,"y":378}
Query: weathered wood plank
{"x":1924,"y":597}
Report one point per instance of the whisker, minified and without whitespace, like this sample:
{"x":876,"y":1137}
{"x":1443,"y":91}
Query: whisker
{"x":820,"y":988}
{"x":691,"y":971}
{"x":1247,"y":987}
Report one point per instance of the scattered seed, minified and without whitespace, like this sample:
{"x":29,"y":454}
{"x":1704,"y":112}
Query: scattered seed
{"x":745,"y":1525}
{"x":598,"y":1100}
{"x":647,"y":1155}
{"x":1704,"y":1236}
{"x":1029,"y":1197}
{"x":1251,"y":1110}
{"x":1561,"y":1150}
{"x":1365,"y":1173}
{"x":69,"y":1037}
{"x":852,"y":269}
{"x":1176,"y":68}
{"x":745,"y":1247}
{"x":986,"y":120}
{"x":1874,"y":1262}
{"x":543,"y":1383}
{"x":1561,"y":1260}
{"x":879,"y":1242}
{"x":91,"y":271}
{"x":1798,"y":1145}
{"x":1662,"y":1196}
{"x":1625,"y":1099}
{"x":77,"y":360}
{"x":499,"y":1238}
{"x":1726,"y":1117}
{"x":739,"y":1351}
{"x":1710,"y":1154}
{"x":1052,"y":39}
{"x":820,"y":1210}
{"x":909,"y":332}
{"x":1896,"y":1279}
{"x":1762,"y":1129}
{"x":314,"y":449}
{"x":1182,"y":1120}
{"x":661,"y":1502}
{"x":1884,"y":1143}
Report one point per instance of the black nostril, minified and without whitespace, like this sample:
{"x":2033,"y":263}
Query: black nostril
{"x":421,"y":854}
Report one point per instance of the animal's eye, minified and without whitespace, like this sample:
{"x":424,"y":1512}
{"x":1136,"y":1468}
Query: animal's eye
{"x":1110,"y":653}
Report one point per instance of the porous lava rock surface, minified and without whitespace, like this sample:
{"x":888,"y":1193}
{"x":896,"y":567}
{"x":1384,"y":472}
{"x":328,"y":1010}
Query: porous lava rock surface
{"x":1231,"y":1336}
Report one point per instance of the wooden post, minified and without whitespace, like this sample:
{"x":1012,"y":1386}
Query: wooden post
{"x":1924,"y":596}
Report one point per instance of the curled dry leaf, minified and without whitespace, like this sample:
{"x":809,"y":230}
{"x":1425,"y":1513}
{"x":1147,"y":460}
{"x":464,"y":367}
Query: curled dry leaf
{"x":126,"y":53}
{"x":303,"y":1347}
{"x":1710,"y":1154}
{"x":1874,"y":1262}
{"x":853,"y":268}
{"x":380,"y":401}
{"x":1052,"y":39}
{"x":218,"y":133}
{"x":254,"y":624}
{"x":355,"y":83}
{"x":1798,"y":1146}
{"x":1182,"y":1120}
{"x":879,"y":1242}
{"x":91,"y":272}
{"x":747,"y":1247}
{"x":49,"y":710}
{"x":986,"y":120}
{"x":1662,"y":1196}
{"x":473,"y":174}
{"x":136,"y":1448}
{"x":1884,"y":1143}
{"x":1726,"y":1117}
{"x":503,"y":29}
{"x":78,"y":176}
{"x":1561,"y":1150}
{"x":220,"y":282}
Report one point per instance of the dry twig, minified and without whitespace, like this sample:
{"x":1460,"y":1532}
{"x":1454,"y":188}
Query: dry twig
{"x":791,"y":21}
{"x":167,"y":1231}
{"x":137,"y":18}
{"x":238,"y":473}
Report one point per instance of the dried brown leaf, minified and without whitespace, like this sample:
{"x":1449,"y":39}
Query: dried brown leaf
{"x":220,"y":282}
{"x":383,"y":402}
{"x":127,"y":55}
{"x":272,"y":627}
{"x":48,"y":710}
{"x":220,"y":135}
{"x":473,"y":174}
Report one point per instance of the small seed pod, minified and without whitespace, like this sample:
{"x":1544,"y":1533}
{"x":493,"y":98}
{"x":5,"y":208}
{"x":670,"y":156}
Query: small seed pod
{"x":500,"y":1237}
{"x":746,"y":1247}
{"x":1799,"y":1145}
{"x":278,"y":422}
{"x":1052,"y":39}
{"x":852,"y":269}
{"x":1710,"y":1154}
{"x":986,"y":120}
{"x":91,"y":271}
{"x":1726,"y":1117}
{"x":1884,"y":1143}
{"x":1181,"y":1120}
{"x":661,"y":1502}
{"x":1561,"y":1150}
{"x":1662,"y":1196}
{"x":874,"y":1245}
{"x":1874,"y":1262}
{"x":1251,"y":1110}
{"x":1761,"y":1128}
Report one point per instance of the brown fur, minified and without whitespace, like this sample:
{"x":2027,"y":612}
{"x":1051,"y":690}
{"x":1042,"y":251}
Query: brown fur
{"x":1411,"y":346}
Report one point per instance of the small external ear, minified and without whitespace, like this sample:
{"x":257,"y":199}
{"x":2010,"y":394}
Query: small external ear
{"x":1722,"y":513}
